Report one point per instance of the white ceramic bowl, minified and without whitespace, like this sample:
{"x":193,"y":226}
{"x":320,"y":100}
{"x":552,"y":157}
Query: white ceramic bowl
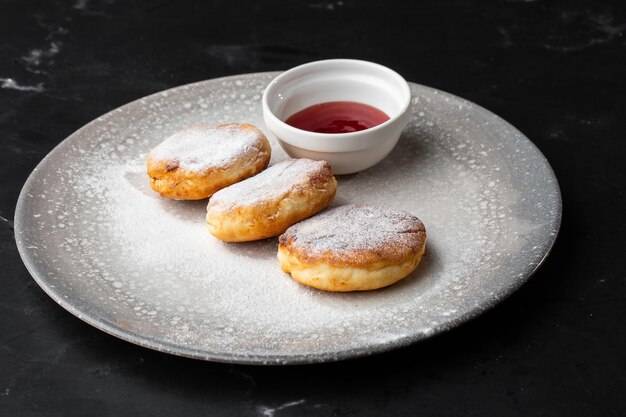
{"x":338,"y":80}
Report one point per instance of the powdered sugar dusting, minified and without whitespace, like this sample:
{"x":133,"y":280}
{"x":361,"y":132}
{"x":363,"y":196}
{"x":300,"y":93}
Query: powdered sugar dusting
{"x":199,"y":148}
{"x":109,"y":249}
{"x":271,"y":184}
{"x":348,"y":229}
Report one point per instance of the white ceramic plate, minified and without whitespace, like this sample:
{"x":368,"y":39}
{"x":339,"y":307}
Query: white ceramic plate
{"x":107,"y":248}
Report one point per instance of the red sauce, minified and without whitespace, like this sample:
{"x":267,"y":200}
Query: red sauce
{"x":337,"y":117}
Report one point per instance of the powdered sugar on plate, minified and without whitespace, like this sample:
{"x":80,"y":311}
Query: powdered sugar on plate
{"x":110,"y":250}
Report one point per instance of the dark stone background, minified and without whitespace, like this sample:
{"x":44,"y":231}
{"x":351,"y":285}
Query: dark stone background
{"x":554,"y":69}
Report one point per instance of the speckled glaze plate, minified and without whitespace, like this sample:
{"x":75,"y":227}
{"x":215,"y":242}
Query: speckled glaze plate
{"x":108,"y":249}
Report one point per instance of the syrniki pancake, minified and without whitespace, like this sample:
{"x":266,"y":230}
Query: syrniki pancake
{"x":198,"y":161}
{"x":268,"y":203}
{"x":351,"y":248}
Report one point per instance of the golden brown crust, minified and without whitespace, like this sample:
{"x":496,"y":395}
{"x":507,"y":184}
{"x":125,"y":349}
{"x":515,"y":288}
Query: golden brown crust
{"x":353,"y":248}
{"x":267,"y":204}
{"x":169,"y":177}
{"x":332,"y":277}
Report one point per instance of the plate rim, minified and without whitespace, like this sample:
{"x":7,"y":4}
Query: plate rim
{"x":145,"y":341}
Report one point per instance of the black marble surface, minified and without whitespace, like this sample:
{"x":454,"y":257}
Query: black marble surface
{"x":554,"y":69}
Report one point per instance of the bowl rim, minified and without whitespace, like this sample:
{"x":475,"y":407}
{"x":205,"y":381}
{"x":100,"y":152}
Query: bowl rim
{"x":336,"y":136}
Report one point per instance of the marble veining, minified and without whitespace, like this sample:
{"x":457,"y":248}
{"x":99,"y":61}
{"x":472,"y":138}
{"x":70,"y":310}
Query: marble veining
{"x":11,"y":84}
{"x":595,"y":29}
{"x":326,"y":5}
{"x":36,"y":58}
{"x":266,"y":411}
